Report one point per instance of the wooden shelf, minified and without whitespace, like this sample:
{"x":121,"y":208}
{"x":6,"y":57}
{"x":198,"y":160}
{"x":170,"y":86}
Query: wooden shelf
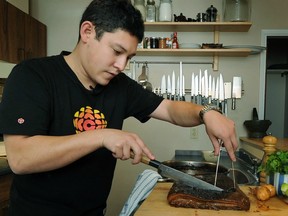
{"x":215,"y":27}
{"x":194,"y":52}
{"x":198,"y":26}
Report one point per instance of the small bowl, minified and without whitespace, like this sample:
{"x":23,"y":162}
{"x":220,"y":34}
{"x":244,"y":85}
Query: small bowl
{"x":257,"y":128}
{"x":209,"y":156}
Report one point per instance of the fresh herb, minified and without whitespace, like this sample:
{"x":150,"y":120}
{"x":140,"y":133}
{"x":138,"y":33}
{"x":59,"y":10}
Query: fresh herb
{"x":277,"y":162}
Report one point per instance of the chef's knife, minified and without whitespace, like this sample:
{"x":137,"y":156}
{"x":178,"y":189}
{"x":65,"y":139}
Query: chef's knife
{"x":221,"y":93}
{"x":169,"y":87}
{"x":163,"y":86}
{"x":227,"y":95}
{"x":236,"y":90}
{"x":183,"y":88}
{"x":173,"y":86}
{"x":192,"y":88}
{"x":178,"y":176}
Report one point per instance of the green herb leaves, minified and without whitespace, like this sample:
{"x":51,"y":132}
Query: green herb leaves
{"x":277,"y":162}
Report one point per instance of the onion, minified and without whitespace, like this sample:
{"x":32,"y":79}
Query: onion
{"x":271,"y":188}
{"x":263,"y":193}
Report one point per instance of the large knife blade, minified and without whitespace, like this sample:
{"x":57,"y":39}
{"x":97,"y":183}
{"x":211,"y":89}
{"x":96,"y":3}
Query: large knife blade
{"x":178,"y":176}
{"x":173,"y":86}
{"x":169,"y":88}
{"x":163,"y":86}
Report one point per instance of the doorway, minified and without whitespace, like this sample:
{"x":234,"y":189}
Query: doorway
{"x":273,"y":100}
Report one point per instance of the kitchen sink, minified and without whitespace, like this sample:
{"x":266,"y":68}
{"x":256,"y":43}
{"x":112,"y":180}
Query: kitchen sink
{"x":241,"y":178}
{"x":244,"y":169}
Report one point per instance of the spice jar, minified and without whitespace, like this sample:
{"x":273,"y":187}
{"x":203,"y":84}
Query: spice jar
{"x":140,"y":5}
{"x":165,"y":11}
{"x":150,"y":11}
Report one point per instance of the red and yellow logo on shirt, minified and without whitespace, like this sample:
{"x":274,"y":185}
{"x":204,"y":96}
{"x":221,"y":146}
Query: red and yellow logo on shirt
{"x":89,"y":119}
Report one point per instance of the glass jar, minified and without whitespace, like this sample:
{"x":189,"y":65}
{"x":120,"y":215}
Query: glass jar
{"x":150,"y":11}
{"x":236,"y":10}
{"x":165,"y":11}
{"x":140,"y":5}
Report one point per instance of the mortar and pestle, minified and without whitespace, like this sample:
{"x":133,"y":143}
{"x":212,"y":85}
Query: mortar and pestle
{"x":257,"y":128}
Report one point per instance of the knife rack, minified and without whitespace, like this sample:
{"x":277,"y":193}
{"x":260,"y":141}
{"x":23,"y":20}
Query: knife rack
{"x":171,"y":62}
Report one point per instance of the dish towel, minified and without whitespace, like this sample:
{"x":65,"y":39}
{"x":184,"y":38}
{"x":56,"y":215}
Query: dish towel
{"x":143,"y":187}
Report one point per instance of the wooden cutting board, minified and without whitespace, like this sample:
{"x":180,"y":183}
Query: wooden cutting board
{"x":156,"y":205}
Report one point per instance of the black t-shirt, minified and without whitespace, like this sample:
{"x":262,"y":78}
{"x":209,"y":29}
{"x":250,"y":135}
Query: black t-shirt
{"x":44,"y":97}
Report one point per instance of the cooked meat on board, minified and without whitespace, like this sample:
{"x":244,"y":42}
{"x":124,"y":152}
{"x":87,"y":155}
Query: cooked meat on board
{"x":230,"y":199}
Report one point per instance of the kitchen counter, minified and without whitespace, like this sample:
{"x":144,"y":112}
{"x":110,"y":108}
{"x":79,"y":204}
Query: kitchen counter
{"x":282,"y":144}
{"x":4,"y":167}
{"x":156,"y":204}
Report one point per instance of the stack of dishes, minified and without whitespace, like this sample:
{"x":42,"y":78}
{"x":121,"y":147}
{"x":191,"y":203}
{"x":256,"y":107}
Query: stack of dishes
{"x":254,"y":49}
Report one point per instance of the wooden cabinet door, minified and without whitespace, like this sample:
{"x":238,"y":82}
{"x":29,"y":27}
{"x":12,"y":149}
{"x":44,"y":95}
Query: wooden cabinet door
{"x":35,"y":38}
{"x":3,"y":31}
{"x":16,"y":34}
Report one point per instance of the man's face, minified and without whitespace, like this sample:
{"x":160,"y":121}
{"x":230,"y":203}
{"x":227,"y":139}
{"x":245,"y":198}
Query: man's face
{"x":107,"y":57}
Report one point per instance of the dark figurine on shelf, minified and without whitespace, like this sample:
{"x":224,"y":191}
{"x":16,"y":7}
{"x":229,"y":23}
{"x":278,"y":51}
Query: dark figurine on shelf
{"x":182,"y":18}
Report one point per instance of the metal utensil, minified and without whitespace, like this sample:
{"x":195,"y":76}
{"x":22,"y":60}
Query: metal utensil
{"x":143,"y":78}
{"x":177,"y":175}
{"x":218,"y":161}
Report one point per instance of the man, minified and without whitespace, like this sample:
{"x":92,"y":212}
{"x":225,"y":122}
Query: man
{"x":61,"y":117}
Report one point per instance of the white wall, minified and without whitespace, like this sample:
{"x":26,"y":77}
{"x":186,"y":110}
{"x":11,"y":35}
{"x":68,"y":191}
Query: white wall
{"x":62,"y":18}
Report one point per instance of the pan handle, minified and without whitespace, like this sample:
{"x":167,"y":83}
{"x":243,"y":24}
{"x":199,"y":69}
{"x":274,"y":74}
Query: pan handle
{"x":146,"y":160}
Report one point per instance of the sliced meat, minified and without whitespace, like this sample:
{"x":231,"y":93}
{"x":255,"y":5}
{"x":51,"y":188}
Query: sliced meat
{"x":230,"y":199}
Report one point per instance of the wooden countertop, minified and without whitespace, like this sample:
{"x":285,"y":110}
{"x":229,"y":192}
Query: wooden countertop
{"x":156,"y":205}
{"x":282,"y":144}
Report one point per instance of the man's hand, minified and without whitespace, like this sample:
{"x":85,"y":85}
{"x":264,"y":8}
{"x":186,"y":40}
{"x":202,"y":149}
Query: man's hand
{"x":220,"y":128}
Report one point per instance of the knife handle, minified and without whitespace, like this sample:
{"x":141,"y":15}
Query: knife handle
{"x":147,"y":161}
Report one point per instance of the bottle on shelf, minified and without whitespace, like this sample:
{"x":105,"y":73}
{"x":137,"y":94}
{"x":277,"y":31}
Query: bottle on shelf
{"x":175,"y":44}
{"x":165,"y":11}
{"x":140,"y":5}
{"x":150,"y":11}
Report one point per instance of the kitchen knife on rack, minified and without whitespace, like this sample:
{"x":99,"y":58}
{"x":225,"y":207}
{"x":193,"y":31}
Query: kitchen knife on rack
{"x":163,"y":86}
{"x":221,"y":93}
{"x":173,"y":88}
{"x":169,"y":87}
{"x":236,"y":90}
{"x":177,"y":175}
{"x":227,"y":95}
{"x":193,"y":88}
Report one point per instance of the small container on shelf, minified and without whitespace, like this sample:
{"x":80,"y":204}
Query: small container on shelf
{"x":175,"y":44}
{"x":165,"y":11}
{"x":150,"y":11}
{"x":236,"y":10}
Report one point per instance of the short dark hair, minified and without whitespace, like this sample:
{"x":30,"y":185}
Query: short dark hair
{"x":112,"y":15}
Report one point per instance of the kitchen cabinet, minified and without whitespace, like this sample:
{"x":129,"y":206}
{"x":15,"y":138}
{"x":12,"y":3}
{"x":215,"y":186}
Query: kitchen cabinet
{"x":213,"y":27}
{"x":3,"y":31}
{"x":5,"y":184}
{"x":6,"y":177}
{"x":23,"y":36}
